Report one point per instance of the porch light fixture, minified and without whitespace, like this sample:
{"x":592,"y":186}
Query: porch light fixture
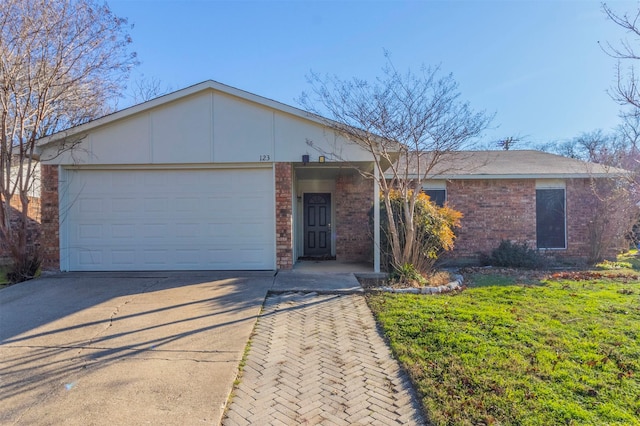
{"x":321,"y":159}
{"x":305,"y":159}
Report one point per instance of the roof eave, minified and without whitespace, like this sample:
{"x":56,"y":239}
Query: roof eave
{"x":521,"y":176}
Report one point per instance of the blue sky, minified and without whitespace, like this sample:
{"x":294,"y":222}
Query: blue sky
{"x":536,"y":64}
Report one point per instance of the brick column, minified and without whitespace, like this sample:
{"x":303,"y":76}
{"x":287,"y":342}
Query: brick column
{"x":284,"y":216}
{"x":354,"y":199}
{"x":50,"y":239}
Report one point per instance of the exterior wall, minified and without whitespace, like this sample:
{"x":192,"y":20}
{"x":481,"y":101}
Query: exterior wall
{"x":50,"y":239}
{"x":580,"y":211}
{"x":33,"y":223}
{"x":506,"y":209}
{"x":494,"y":210}
{"x":354,"y":198}
{"x":582,"y":207}
{"x":284,"y":216}
{"x":217,"y":127}
{"x":33,"y":209}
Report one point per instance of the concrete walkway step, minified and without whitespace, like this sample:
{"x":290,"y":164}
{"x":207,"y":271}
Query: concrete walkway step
{"x":319,"y":359}
{"x":295,"y":281}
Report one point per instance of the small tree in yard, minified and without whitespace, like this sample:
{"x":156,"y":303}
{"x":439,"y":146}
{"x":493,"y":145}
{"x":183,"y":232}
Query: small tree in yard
{"x":613,"y":198}
{"x":435,"y":233}
{"x":613,"y":219}
{"x":409,"y":123}
{"x":61,"y":62}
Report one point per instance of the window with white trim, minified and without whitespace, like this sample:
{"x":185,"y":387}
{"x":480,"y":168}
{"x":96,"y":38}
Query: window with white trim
{"x":437,"y":191}
{"x":551,"y":218}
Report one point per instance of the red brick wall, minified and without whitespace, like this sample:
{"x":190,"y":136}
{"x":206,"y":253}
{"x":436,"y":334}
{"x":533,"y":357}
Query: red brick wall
{"x":506,"y":209}
{"x":494,"y":210}
{"x":580,"y":211}
{"x":33,"y":223}
{"x":354,"y":199}
{"x":582,"y":205}
{"x":33,"y":209}
{"x":284,"y":216}
{"x":50,"y":238}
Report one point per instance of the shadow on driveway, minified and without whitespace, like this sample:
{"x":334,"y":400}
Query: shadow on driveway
{"x":91,"y":348}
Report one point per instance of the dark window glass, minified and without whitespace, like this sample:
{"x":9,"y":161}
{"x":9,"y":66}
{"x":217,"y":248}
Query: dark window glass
{"x":550,"y":218}
{"x":438,"y":196}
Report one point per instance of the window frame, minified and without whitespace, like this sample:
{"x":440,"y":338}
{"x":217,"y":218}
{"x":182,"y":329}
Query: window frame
{"x":436,"y":185}
{"x":554,"y":186}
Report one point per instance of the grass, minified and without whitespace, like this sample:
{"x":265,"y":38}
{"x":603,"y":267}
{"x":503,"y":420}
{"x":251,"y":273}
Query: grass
{"x":3,"y":278}
{"x":565,"y":351}
{"x":628,"y":260}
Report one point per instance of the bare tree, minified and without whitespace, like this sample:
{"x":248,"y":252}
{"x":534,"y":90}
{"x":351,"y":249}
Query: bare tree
{"x":147,"y":88}
{"x":614,"y":198}
{"x":61,"y":63}
{"x":409,"y":123}
{"x":594,"y":146}
{"x":626,"y":91}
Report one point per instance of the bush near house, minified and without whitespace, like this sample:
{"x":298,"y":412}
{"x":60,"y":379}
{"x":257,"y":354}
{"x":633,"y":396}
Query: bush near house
{"x":514,"y":255}
{"x":434,"y":234}
{"x":565,"y":350}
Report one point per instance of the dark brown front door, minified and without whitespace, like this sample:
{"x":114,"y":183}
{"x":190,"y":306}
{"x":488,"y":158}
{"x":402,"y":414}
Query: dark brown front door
{"x":317,"y":225}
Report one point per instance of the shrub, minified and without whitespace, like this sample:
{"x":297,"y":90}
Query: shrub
{"x":408,"y":274}
{"x":24,"y":268}
{"x":515,"y":255}
{"x":434,"y":234}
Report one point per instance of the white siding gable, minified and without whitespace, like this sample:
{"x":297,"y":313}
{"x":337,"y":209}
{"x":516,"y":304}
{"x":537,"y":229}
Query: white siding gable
{"x":208,"y":126}
{"x":242,"y":131}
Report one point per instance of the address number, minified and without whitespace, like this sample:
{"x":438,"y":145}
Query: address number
{"x":265,"y":157}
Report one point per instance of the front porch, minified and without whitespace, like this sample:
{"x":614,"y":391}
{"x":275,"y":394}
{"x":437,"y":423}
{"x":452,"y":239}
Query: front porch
{"x":331,"y":208}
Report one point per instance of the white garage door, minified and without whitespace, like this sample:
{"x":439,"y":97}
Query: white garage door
{"x":117,"y":220}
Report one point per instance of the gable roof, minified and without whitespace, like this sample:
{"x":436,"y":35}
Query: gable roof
{"x":512,"y":164}
{"x":179,"y":94}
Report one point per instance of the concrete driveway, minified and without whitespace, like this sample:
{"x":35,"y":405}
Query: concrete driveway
{"x":127,"y":348}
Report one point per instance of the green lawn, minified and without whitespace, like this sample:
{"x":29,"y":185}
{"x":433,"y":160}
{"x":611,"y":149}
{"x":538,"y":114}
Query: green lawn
{"x":564,"y":351}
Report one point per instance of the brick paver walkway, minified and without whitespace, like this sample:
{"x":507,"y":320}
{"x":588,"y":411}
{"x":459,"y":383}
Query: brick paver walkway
{"x":318,"y":359}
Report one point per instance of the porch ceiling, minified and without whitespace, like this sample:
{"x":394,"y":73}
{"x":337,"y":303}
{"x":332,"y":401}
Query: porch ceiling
{"x":312,"y":171}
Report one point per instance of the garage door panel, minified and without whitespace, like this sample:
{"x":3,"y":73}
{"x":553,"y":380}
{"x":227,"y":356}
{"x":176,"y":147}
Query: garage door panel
{"x":157,"y":205}
{"x":90,"y":257}
{"x":187,"y":230}
{"x":155,"y":231}
{"x":187,"y":257}
{"x":170,"y":219}
{"x":155,"y":257}
{"x":91,"y":205}
{"x":187,"y":204}
{"x":123,"y":231}
{"x":124,"y":206}
{"x":122,"y":257}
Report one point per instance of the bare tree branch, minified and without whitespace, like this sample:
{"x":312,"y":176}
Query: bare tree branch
{"x":145,"y":89}
{"x":408,"y":122}
{"x":625,"y":91}
{"x":61,"y":64}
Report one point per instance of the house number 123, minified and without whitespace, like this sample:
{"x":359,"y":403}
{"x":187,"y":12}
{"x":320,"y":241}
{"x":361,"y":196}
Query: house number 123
{"x":265,"y":157}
